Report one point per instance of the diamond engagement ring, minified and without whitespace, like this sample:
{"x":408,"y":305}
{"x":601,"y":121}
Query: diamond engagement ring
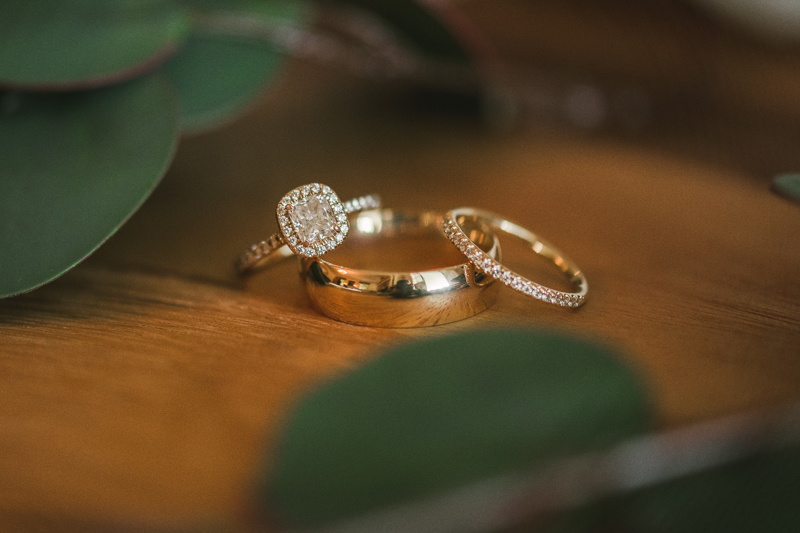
{"x":453,"y":228}
{"x":312,"y":221}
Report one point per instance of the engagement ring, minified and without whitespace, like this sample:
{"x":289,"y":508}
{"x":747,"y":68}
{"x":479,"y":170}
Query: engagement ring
{"x":312,"y":221}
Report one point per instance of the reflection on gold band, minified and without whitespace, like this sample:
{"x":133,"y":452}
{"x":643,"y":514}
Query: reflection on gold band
{"x":401,"y":299}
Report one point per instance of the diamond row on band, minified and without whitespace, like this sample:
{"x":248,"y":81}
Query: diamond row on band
{"x":370,"y":201}
{"x":260,"y":250}
{"x":486,"y":264}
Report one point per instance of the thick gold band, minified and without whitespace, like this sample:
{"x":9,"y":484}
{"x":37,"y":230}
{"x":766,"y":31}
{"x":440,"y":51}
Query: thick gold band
{"x":455,"y":227}
{"x":401,"y":299}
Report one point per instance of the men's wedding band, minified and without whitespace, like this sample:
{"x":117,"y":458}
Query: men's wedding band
{"x":401,"y":299}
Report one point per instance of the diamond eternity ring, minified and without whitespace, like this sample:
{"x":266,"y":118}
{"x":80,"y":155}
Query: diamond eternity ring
{"x":453,"y":228}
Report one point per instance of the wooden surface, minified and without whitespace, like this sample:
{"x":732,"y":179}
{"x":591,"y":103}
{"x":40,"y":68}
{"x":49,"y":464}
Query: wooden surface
{"x":145,"y":386}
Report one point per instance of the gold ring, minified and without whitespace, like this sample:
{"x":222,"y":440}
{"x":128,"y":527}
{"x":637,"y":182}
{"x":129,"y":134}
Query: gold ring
{"x":312,"y":221}
{"x":401,"y":299}
{"x":453,"y":228}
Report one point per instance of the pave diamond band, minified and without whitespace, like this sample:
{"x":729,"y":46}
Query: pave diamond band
{"x":312,"y":221}
{"x":453,"y":228}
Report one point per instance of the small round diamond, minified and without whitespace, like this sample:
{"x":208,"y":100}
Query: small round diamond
{"x":528,"y":289}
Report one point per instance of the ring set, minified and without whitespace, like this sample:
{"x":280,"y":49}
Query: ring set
{"x":313,"y":221}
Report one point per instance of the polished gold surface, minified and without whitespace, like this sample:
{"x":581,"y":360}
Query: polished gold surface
{"x":454,"y":227}
{"x":288,"y":241}
{"x":425,"y":297}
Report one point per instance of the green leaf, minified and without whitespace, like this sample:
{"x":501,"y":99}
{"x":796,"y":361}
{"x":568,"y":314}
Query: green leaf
{"x":756,"y":494}
{"x":444,"y":413}
{"x":439,"y":32}
{"x":74,"y":167}
{"x":788,"y":186}
{"x":55,"y":44}
{"x":219,"y":74}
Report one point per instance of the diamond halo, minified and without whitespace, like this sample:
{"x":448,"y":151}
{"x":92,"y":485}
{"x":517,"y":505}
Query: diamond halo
{"x":312,"y":219}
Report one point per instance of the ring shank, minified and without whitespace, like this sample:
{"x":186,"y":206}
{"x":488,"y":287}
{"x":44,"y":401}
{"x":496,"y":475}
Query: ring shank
{"x":264,"y":254}
{"x":546,"y":250}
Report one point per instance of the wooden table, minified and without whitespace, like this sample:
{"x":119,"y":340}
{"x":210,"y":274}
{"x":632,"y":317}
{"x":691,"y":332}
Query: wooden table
{"x":145,"y":386}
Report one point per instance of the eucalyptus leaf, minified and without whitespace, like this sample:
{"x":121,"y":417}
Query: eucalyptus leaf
{"x":219,"y":72}
{"x":788,"y":186}
{"x":760,"y":493}
{"x":444,"y":413}
{"x":74,"y":168}
{"x":56,"y":44}
{"x":420,"y":25}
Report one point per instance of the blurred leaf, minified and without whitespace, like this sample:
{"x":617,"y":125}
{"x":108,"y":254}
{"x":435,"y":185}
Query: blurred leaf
{"x":55,"y":44}
{"x":270,"y":10}
{"x":788,"y":186}
{"x":435,"y":32}
{"x":760,"y":493}
{"x":74,"y":167}
{"x":218,"y":75}
{"x":446,"y":412}
{"x":773,"y":20}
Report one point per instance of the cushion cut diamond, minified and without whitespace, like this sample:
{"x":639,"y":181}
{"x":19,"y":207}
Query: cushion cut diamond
{"x":313,"y":219}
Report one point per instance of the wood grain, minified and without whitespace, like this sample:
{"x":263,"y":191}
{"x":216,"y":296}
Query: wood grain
{"x":145,"y":387}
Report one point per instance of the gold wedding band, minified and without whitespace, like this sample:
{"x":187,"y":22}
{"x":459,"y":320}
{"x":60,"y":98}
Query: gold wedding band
{"x":401,"y":299}
{"x":312,"y":221}
{"x":454,"y":229}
